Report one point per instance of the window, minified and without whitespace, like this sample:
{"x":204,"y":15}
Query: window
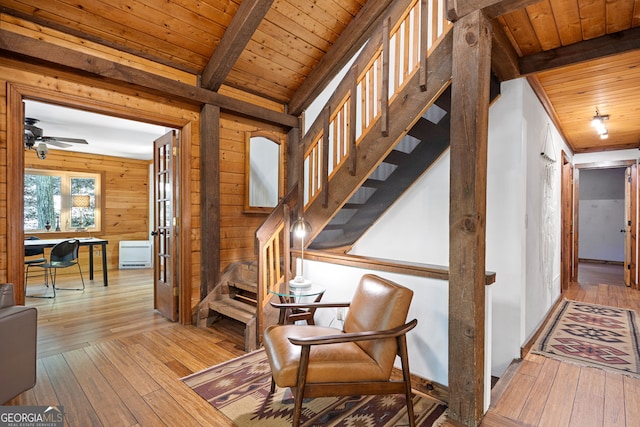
{"x":265,"y":183}
{"x":61,"y":201}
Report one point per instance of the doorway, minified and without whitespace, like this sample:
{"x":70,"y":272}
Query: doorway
{"x":605,"y":213}
{"x":15,"y":96}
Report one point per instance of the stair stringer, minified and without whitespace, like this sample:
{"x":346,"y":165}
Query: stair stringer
{"x":405,"y":110}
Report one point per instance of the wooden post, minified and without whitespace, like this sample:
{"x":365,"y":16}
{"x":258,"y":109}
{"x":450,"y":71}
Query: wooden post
{"x":471,"y":68}
{"x":209,"y":197}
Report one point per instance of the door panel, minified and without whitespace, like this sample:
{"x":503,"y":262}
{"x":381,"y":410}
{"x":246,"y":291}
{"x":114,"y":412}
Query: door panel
{"x":567,"y":227}
{"x":630,"y":180}
{"x":165,"y":265}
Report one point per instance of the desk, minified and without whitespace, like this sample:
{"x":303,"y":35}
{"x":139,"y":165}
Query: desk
{"x":289,"y":294}
{"x":84,"y":241}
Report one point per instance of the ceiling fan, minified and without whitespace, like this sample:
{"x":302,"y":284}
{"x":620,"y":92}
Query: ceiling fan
{"x":33,"y":135}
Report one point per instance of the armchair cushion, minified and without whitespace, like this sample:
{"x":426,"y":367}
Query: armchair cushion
{"x":18,"y":329}
{"x":327,"y":359}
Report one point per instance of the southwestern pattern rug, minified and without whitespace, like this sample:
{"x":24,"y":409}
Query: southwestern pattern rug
{"x":239,"y":389}
{"x":594,"y":335}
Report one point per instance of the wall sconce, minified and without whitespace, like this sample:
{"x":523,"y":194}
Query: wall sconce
{"x":300,"y":228}
{"x":598,"y":124}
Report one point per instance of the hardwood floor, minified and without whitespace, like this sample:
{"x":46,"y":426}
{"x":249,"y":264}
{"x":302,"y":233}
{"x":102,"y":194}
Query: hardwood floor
{"x":544,"y":392}
{"x":110,"y":360}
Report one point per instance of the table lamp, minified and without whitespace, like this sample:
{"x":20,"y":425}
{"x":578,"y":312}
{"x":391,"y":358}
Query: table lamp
{"x":81,"y":201}
{"x":300,"y":228}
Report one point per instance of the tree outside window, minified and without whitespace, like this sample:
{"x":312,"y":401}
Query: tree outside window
{"x":61,"y":201}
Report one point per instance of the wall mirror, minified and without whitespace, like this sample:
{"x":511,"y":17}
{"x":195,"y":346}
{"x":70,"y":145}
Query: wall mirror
{"x":264,"y":165}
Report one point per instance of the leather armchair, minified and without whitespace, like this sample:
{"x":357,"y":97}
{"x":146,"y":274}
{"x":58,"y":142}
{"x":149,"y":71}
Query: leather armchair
{"x":18,"y":331}
{"x":319,"y":361}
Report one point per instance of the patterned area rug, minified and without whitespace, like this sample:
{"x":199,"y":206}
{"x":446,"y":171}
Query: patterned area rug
{"x":594,"y":335}
{"x":239,"y":389}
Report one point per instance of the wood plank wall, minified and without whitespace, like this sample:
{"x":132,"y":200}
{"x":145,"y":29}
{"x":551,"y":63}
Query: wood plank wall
{"x":126,"y":193}
{"x":106,"y":98}
{"x":237,"y":227}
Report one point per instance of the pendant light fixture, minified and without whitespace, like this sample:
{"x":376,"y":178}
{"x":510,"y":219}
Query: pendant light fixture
{"x":598,"y":124}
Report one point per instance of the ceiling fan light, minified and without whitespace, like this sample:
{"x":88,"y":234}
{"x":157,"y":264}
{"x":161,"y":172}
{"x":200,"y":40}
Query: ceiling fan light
{"x":604,"y":135}
{"x":596,"y":122}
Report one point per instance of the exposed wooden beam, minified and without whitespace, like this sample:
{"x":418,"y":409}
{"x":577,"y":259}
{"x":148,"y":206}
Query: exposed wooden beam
{"x":504,"y":59}
{"x":471,"y":69}
{"x":610,"y":44}
{"x":235,"y":39}
{"x":456,"y":9}
{"x":209,"y":197}
{"x":351,"y":39}
{"x":65,"y":58}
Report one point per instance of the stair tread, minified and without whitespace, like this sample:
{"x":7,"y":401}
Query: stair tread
{"x":247,"y":285}
{"x":233,"y":308}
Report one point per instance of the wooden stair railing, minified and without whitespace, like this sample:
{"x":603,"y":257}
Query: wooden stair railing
{"x":389,"y":70}
{"x":273,"y":245}
{"x":355,"y":127}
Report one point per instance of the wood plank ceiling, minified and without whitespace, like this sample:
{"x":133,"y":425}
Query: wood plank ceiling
{"x":609,"y":84}
{"x":276,"y":48}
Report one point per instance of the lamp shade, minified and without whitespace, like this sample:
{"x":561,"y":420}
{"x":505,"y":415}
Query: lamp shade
{"x":81,"y":201}
{"x":300,"y":228}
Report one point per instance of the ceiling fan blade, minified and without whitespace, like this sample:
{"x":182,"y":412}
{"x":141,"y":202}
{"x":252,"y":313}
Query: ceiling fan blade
{"x":55,"y":142}
{"x":48,"y":139}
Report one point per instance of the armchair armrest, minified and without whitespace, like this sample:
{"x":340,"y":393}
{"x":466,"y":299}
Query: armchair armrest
{"x":356,"y":336}
{"x":6,"y":295}
{"x":281,"y":305}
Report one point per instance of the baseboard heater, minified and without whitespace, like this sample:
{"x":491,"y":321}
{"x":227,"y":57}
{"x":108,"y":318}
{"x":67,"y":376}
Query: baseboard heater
{"x":135,"y":254}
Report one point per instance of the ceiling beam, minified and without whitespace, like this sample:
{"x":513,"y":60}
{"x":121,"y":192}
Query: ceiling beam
{"x":610,"y":44}
{"x":504,"y":58}
{"x":456,"y":9}
{"x":351,"y":39}
{"x":64,"y":58}
{"x":235,"y":39}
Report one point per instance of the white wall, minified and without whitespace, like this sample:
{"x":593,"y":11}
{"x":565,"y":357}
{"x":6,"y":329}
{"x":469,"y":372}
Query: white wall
{"x":541,"y":290}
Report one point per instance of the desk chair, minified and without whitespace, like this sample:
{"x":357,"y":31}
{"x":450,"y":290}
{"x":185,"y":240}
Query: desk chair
{"x":316,"y":361}
{"x":33,"y":256}
{"x":63,"y":255}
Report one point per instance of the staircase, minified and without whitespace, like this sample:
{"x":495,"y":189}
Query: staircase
{"x":359,"y":156}
{"x":416,"y":152}
{"x":407,"y":161}
{"x":234,"y":297}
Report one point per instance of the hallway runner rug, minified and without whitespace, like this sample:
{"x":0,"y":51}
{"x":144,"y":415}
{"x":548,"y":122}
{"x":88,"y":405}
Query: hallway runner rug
{"x":239,"y":389}
{"x":593,"y":335}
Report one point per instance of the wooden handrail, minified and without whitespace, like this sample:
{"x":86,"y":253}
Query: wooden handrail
{"x":430,"y":271}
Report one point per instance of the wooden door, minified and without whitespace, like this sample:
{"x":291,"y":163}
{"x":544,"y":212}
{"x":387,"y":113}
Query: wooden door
{"x":630,"y":180}
{"x":567,"y":224}
{"x":165,"y":198}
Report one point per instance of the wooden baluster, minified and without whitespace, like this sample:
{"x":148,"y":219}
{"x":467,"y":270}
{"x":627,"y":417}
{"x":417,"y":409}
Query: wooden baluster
{"x":384,"y":90}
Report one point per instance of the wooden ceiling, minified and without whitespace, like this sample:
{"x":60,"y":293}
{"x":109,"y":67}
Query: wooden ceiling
{"x":282,"y":50}
{"x":579,"y":29}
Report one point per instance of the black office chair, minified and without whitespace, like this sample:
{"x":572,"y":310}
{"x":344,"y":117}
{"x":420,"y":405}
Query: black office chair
{"x":63,"y":255}
{"x":34,"y":255}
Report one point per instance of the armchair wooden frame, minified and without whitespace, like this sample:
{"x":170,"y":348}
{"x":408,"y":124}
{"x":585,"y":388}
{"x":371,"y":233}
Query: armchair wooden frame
{"x":305,"y":389}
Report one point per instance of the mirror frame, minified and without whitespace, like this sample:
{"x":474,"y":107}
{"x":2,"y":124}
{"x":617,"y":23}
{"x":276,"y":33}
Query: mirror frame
{"x":276,"y":139}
